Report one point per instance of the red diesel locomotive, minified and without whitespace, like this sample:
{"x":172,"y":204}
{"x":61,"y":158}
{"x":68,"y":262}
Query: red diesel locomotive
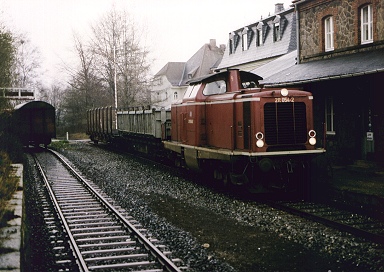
{"x":230,"y":129}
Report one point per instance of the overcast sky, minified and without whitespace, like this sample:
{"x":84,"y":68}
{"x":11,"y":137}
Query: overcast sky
{"x":175,"y":29}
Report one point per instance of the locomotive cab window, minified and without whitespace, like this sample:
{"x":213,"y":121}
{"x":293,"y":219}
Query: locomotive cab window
{"x":215,"y":87}
{"x":192,"y":90}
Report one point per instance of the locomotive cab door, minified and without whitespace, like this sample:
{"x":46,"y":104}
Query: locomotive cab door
{"x":243,"y":125}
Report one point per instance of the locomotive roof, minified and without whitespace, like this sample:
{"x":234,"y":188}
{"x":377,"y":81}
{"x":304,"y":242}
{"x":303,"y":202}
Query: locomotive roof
{"x":33,"y":104}
{"x":247,"y":76}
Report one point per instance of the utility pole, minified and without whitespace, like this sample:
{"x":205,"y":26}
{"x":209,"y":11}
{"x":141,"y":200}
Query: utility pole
{"x":115,"y":81}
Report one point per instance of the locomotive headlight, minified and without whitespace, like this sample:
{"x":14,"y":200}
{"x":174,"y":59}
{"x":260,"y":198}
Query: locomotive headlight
{"x":284,"y":92}
{"x":260,"y":143}
{"x":312,"y":141}
{"x":259,"y":136}
{"x":312,"y":137}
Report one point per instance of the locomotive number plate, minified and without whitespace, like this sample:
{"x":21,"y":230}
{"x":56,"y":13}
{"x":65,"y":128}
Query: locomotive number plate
{"x":284,"y":99}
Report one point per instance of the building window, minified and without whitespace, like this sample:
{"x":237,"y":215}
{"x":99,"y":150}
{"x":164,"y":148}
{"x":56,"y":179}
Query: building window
{"x":366,"y":24}
{"x":244,"y":41}
{"x":276,"y":32}
{"x":276,"y":28}
{"x":259,"y":34}
{"x":233,"y":42}
{"x":244,"y":38}
{"x":329,"y":116}
{"x":328,"y":31}
{"x":175,"y":95}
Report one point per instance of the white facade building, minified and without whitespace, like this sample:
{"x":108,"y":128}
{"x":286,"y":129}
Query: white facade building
{"x":171,"y":82}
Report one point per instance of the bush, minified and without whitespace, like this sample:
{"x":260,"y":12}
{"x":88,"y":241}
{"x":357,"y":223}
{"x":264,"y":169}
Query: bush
{"x":8,"y":183}
{"x":59,"y":145}
{"x":9,"y":142}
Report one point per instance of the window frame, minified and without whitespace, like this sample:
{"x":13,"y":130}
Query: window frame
{"x":366,"y":26}
{"x":259,"y":34}
{"x":231,"y":45}
{"x":192,"y":91}
{"x":329,"y":34}
{"x":215,"y":87}
{"x":276,"y":32}
{"x":244,"y":41}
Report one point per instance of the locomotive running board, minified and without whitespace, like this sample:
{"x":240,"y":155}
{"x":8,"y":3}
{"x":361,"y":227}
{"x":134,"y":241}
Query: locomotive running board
{"x":225,"y":154}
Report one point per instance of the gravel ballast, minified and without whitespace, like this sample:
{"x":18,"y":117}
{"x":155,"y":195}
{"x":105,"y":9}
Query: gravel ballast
{"x":211,"y":231}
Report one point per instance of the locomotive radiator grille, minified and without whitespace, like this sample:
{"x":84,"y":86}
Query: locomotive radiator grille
{"x":285,"y":123}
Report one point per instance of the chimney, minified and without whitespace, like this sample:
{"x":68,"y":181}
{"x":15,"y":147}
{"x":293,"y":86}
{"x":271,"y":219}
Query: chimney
{"x":212,"y":43}
{"x":279,"y":7}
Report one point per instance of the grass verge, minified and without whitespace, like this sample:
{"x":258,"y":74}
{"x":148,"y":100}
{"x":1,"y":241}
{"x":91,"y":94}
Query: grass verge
{"x":58,"y":145}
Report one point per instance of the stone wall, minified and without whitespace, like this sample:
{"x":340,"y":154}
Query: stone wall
{"x":346,"y":20}
{"x":11,"y":235}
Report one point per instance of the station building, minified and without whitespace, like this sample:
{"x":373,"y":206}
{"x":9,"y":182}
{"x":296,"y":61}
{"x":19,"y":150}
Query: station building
{"x":334,"y":49}
{"x":340,"y":59}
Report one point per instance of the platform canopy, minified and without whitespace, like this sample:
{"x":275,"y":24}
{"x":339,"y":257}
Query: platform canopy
{"x":351,"y":65}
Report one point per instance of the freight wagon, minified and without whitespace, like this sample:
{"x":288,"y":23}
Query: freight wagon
{"x":35,"y":123}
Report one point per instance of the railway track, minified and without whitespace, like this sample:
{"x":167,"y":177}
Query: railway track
{"x":101,"y":235}
{"x":359,"y":225}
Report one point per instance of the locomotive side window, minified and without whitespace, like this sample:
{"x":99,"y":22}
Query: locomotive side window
{"x":192,"y":91}
{"x":215,"y":87}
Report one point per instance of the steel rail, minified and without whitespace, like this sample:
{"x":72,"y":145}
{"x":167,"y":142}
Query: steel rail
{"x":81,"y":262}
{"x":373,"y":237}
{"x":167,"y":264}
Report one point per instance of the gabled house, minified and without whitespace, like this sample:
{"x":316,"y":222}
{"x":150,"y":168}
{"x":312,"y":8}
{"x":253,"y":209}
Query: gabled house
{"x":166,"y":87}
{"x":170,"y":83}
{"x":256,"y":44}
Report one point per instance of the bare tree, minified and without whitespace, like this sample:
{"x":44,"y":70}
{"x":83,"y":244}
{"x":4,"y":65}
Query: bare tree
{"x":85,"y":89}
{"x":112,"y":59}
{"x":85,"y":79}
{"x":55,"y":96}
{"x":7,"y":55}
{"x":120,"y":59}
{"x":26,"y":63}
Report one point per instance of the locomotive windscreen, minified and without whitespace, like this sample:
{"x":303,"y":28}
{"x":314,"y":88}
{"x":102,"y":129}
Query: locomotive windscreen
{"x":285,"y":123}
